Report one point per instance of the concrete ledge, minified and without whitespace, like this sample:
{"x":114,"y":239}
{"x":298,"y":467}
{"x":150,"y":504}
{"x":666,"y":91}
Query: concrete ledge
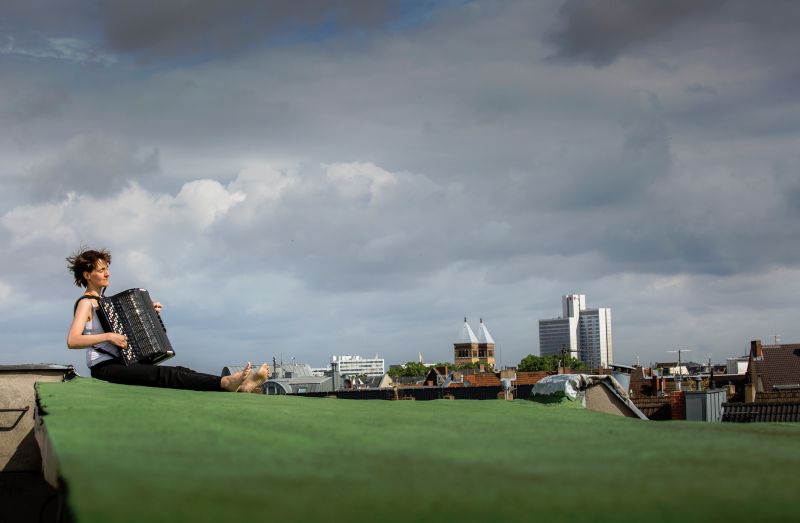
{"x":25,"y":451}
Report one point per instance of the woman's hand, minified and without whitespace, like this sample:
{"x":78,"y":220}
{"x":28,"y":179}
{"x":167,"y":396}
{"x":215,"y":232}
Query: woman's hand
{"x":117,"y":339}
{"x":157,"y":306}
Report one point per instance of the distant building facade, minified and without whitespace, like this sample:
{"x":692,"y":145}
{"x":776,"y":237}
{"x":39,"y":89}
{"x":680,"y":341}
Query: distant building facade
{"x":472,"y":348}
{"x":580,"y":332}
{"x":737,"y":365}
{"x":354,"y":365}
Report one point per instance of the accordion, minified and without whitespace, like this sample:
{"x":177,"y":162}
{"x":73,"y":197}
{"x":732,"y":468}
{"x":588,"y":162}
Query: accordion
{"x":132,"y":314}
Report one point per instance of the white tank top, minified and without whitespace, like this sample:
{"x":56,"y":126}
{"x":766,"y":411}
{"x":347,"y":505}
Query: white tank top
{"x":93,"y":356}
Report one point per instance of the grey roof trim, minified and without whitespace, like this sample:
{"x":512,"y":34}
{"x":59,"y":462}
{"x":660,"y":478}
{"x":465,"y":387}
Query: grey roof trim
{"x":624,"y":399}
{"x":35,"y":366}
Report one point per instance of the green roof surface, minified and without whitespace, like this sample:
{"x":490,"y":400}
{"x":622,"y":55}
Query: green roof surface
{"x":145,"y":454}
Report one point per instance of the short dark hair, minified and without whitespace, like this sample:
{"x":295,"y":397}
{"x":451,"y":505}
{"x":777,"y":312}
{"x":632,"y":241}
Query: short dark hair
{"x":85,"y":260}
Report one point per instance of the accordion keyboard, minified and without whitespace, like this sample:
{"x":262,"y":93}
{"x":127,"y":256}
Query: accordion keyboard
{"x":131,"y":313}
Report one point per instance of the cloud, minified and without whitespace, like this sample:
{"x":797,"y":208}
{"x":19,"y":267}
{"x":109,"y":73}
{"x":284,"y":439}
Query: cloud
{"x":92,"y":165}
{"x":45,"y":223}
{"x":205,"y":200}
{"x":202,"y":28}
{"x":65,"y":48}
{"x":644,"y":157}
{"x":339,"y":226}
{"x":196,"y":30}
{"x":666,"y":34}
{"x":597,"y":33}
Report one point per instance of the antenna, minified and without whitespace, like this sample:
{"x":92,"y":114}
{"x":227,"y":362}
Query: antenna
{"x":777,"y":338}
{"x":679,"y":384}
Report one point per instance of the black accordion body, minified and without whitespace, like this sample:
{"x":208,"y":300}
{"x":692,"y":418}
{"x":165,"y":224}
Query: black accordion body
{"x":132,"y":314}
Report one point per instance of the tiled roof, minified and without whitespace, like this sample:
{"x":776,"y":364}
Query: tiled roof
{"x":487,"y":379}
{"x":750,"y":412}
{"x":779,"y":366}
{"x":530,"y":378}
{"x":782,"y":345}
{"x":492,"y":379}
{"x":408,"y":380}
{"x":785,"y":396}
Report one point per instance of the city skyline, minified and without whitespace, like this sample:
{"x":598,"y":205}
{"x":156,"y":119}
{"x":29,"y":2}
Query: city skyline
{"x":313,"y":178}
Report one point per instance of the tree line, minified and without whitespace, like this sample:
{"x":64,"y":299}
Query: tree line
{"x":529,"y":363}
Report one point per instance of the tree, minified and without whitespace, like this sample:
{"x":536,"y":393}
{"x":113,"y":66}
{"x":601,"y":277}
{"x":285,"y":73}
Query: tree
{"x":471,"y":365}
{"x":411,"y":368}
{"x":574,"y":363}
{"x":531,"y":363}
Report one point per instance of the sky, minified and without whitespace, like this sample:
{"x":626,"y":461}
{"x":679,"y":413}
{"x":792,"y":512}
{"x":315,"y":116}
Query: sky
{"x":302,"y":178}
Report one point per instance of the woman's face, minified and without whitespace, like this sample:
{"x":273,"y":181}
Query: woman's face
{"x":99,"y":276}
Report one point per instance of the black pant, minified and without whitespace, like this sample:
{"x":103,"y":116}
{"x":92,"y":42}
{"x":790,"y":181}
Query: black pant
{"x":155,"y":376}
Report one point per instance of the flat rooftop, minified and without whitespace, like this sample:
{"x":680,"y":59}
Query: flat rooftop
{"x":144,"y":454}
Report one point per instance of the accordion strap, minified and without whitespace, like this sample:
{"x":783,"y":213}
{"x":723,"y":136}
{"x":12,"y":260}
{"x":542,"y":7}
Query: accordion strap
{"x":84,"y":297}
{"x":74,"y":310}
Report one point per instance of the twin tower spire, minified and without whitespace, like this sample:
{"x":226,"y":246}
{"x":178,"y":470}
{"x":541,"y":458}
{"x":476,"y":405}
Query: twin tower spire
{"x":469,"y":348}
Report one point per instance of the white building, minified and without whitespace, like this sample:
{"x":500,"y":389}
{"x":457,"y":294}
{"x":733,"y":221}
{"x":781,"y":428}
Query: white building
{"x":582,"y":333}
{"x":594,"y":342}
{"x":353,"y":365}
{"x":737,"y":365}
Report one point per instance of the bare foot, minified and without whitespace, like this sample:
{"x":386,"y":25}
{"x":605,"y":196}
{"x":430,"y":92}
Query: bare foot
{"x":255,"y":379}
{"x":231,"y":383}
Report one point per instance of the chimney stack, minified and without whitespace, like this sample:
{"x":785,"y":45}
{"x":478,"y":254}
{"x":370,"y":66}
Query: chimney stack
{"x":755,"y":349}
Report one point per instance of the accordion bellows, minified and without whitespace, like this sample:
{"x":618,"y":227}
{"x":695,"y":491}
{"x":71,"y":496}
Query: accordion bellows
{"x":132,"y":314}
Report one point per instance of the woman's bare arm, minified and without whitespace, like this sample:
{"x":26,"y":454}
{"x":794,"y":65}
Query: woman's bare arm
{"x":76,"y":339}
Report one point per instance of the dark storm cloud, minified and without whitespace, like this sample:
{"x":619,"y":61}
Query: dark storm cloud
{"x":598,"y":32}
{"x":197,"y":28}
{"x":23,"y":17}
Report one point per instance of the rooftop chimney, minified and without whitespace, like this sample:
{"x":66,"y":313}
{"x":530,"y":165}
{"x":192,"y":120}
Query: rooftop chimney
{"x":755,"y":349}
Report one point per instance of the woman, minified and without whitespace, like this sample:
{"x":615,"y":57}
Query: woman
{"x":90,"y":270}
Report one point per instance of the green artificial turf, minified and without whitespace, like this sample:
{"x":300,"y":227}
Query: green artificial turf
{"x":140,"y":454}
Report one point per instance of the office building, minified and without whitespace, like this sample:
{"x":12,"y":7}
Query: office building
{"x":353,"y":365}
{"x":579,"y":332}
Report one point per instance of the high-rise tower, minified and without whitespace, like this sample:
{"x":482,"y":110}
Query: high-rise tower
{"x":580,"y":332}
